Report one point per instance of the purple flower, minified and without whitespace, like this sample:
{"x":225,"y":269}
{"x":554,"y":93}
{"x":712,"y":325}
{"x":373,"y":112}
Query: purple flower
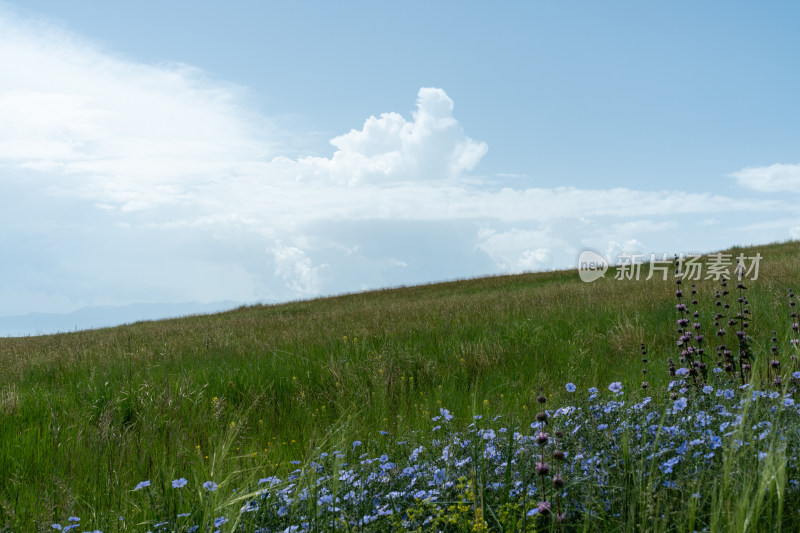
{"x":615,"y":387}
{"x":178,"y":483}
{"x":142,"y":484}
{"x":544,"y":508}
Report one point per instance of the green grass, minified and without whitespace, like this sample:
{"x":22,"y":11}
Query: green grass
{"x":85,"y":416}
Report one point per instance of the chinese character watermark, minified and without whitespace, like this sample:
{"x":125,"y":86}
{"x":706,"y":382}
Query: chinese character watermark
{"x":692,"y":267}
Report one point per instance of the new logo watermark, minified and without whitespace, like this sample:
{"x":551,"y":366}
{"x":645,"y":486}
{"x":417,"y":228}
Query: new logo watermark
{"x":591,"y":266}
{"x":630,"y":266}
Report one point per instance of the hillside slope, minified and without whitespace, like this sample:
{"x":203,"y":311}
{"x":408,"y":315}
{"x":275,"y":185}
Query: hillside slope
{"x":87,"y":415}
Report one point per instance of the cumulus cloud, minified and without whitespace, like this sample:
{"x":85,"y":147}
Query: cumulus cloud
{"x":773,"y":178}
{"x":295,"y":268}
{"x":523,"y":250}
{"x":389,"y":148}
{"x":618,"y":251}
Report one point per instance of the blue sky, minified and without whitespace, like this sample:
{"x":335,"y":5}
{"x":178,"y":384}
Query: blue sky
{"x":249,"y":151}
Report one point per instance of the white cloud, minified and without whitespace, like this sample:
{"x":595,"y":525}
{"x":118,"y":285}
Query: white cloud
{"x":521,"y":250}
{"x":116,"y":131}
{"x":430,"y":147}
{"x":617,"y":250}
{"x":117,"y":172}
{"x":296,"y":269}
{"x":644,"y":226}
{"x":774,"y":178}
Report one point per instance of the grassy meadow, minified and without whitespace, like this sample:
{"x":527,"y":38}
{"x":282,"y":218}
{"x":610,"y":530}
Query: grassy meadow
{"x":204,"y":413}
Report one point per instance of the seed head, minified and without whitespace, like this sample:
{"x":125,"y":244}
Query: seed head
{"x":542,"y":469}
{"x":541,"y":399}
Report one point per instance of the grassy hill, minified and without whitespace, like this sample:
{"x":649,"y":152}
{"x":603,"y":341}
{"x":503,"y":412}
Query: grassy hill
{"x":85,"y":416}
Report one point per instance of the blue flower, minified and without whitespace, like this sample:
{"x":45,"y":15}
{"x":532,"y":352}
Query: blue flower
{"x":601,"y":427}
{"x":615,"y":387}
{"x":438,"y":476}
{"x":445,"y":413}
{"x":796,"y":375}
{"x":788,"y":402}
{"x":414,"y":454}
{"x":178,"y":483}
{"x":679,"y":404}
{"x":571,"y":387}
{"x":210,"y":486}
{"x":666,"y":467}
{"x":682,"y":372}
{"x":708,"y":389}
{"x":142,"y":484}
{"x":728,"y":394}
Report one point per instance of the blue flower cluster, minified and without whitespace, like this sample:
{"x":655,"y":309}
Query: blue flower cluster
{"x":670,"y":441}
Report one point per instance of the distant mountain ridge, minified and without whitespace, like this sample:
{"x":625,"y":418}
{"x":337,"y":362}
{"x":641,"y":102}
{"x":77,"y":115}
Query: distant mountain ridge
{"x":104,"y":316}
